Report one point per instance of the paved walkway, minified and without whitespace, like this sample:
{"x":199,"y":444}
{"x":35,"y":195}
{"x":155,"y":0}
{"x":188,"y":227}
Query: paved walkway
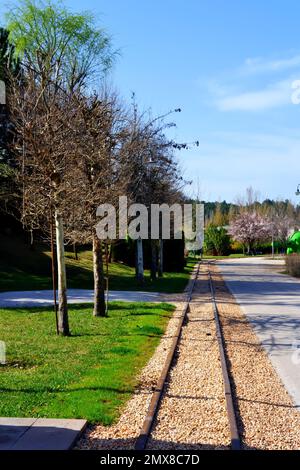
{"x":271,"y":301}
{"x":39,"y":434}
{"x":44,"y":298}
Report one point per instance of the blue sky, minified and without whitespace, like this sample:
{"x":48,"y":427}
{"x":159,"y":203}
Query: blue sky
{"x":230,"y":66}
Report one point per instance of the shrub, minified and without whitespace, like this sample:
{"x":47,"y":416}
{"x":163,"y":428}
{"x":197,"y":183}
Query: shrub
{"x":216,"y":241}
{"x":236,"y":247}
{"x":292,"y":263}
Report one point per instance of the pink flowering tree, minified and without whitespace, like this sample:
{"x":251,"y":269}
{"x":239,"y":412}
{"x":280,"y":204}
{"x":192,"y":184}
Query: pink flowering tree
{"x":249,"y":228}
{"x":282,"y":227}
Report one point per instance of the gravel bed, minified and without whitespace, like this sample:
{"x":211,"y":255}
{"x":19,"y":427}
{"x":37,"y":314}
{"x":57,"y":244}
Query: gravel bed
{"x":123,"y":434}
{"x":192,"y":414}
{"x":268,"y":418}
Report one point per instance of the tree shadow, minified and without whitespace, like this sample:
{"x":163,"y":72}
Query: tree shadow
{"x":29,"y":435}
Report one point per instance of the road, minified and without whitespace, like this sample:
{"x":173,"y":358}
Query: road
{"x":271,"y":302}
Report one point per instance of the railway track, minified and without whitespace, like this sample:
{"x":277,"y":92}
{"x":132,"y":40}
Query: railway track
{"x":158,"y":395}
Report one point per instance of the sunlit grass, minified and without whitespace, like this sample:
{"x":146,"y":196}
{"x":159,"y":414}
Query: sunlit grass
{"x":88,"y":375}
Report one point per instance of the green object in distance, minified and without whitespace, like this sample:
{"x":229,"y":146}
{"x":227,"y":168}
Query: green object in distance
{"x":294,"y":243}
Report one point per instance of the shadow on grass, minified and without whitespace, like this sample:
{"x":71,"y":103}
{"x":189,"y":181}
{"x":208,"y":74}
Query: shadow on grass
{"x":66,"y":390}
{"x":113,"y":305}
{"x":127,"y":335}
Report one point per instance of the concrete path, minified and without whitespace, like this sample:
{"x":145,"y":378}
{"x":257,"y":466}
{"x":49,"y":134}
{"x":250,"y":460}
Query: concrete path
{"x":44,"y":298}
{"x":39,"y":434}
{"x":271,"y":301}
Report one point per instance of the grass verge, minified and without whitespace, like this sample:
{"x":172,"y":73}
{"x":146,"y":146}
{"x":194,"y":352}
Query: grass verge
{"x":89,"y":375}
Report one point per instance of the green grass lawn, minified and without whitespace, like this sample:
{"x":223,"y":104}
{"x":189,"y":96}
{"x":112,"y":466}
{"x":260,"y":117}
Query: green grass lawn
{"x":88,"y":375}
{"x":23,"y":269}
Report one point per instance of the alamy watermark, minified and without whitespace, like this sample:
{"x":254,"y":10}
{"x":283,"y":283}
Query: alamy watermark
{"x":2,"y":93}
{"x":164,"y":222}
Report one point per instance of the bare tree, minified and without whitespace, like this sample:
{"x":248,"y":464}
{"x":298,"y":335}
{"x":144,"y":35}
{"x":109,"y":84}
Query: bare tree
{"x":44,"y":154}
{"x":153,"y":175}
{"x":282,"y":222}
{"x":60,"y":53}
{"x":97,"y":177}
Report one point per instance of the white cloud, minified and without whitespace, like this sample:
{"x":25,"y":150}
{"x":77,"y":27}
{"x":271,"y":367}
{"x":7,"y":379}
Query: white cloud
{"x":258,"y":93}
{"x":272,"y":96}
{"x":260,"y":65}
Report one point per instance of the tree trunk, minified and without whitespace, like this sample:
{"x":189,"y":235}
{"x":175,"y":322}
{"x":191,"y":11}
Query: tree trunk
{"x":110,"y":254}
{"x":53,"y":270}
{"x":99,"y":287}
{"x":139,"y":261}
{"x":63,"y":321}
{"x":75,"y":251}
{"x":153,"y":260}
{"x":161,"y":258}
{"x":31,"y":241}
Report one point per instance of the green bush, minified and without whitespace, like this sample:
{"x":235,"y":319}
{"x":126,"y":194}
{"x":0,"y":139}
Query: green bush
{"x":216,"y":241}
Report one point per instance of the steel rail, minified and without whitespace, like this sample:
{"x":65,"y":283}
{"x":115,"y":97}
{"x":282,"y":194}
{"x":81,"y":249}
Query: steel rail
{"x":144,"y":435}
{"x":145,"y":432}
{"x":234,"y":433}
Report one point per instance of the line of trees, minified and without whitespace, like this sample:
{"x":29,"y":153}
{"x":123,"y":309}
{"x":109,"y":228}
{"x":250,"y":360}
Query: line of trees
{"x":250,"y":223}
{"x":69,"y":148}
